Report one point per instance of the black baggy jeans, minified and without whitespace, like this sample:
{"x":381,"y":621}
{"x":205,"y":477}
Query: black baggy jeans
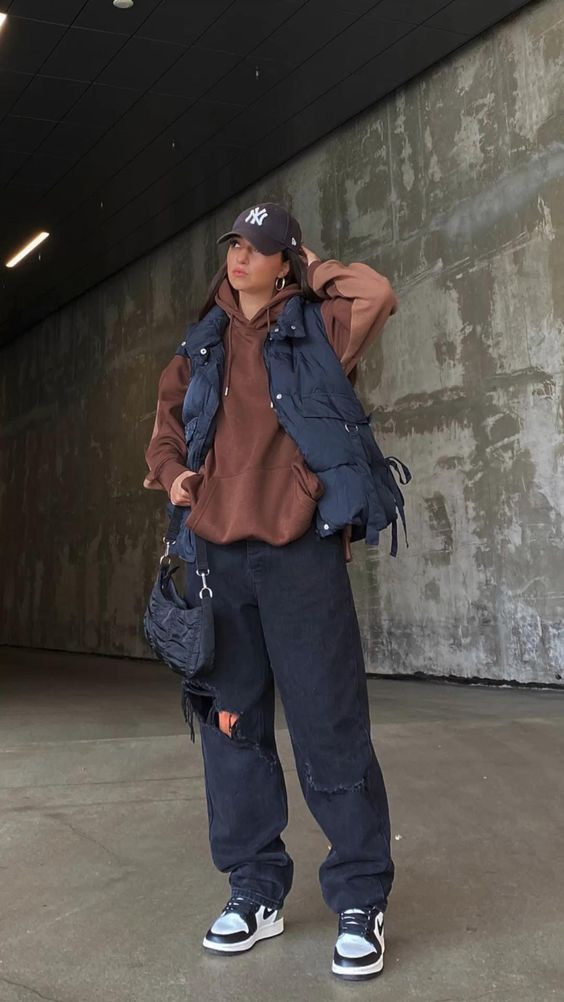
{"x":286,"y":615}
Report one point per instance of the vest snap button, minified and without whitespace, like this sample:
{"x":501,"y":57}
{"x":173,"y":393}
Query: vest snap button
{"x":184,"y":342}
{"x":292,"y":327}
{"x":276,"y":330}
{"x":203,"y":351}
{"x":326,"y":526}
{"x":279,"y":396}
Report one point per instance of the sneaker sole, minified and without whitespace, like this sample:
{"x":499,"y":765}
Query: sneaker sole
{"x":359,"y":973}
{"x":267,"y":932}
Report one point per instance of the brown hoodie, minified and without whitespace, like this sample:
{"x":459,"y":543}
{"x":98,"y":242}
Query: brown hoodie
{"x":254,"y":483}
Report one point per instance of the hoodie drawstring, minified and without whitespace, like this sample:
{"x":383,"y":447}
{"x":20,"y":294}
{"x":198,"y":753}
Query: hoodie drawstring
{"x":229,"y":355}
{"x":267,"y":330}
{"x":230,"y":350}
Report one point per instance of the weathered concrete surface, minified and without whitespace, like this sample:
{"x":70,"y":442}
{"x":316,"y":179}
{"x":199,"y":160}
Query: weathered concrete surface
{"x":454,"y":188}
{"x":108,"y":885}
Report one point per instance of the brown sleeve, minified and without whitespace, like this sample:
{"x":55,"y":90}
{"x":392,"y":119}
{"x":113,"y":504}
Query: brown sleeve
{"x":357,"y":302}
{"x":166,"y":452}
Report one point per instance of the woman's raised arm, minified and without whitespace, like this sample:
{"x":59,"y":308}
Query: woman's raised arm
{"x":357,"y":303}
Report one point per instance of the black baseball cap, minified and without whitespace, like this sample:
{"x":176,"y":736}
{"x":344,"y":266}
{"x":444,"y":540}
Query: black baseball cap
{"x":268,"y":226}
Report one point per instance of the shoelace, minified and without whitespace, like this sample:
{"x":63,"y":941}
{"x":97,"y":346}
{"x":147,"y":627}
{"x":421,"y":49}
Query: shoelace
{"x":355,"y":921}
{"x":237,"y":903}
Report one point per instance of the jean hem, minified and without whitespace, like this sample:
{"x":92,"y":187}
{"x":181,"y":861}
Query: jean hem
{"x":380,"y":905}
{"x":256,"y":898}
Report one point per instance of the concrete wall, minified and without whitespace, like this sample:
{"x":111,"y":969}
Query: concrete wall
{"x":453,"y":187}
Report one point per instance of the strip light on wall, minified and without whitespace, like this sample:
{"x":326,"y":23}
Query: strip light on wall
{"x":2,"y":19}
{"x":27,"y":249}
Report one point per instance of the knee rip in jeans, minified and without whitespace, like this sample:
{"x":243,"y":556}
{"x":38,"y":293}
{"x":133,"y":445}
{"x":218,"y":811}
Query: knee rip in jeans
{"x":204,"y":706}
{"x":347,"y":771}
{"x":241,"y":727}
{"x":359,"y":784}
{"x":201,"y":699}
{"x":226,"y":721}
{"x":197,"y":698}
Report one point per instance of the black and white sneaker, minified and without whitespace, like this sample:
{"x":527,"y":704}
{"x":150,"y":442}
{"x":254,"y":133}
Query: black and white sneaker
{"x":359,"y":950}
{"x":241,"y":924}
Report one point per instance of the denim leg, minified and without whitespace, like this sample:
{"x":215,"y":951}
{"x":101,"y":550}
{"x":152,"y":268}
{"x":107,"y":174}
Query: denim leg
{"x":245,"y":788}
{"x":313,"y":641}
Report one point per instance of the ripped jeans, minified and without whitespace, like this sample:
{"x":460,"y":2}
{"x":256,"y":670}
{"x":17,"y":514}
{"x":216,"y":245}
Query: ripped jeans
{"x":286,"y":614}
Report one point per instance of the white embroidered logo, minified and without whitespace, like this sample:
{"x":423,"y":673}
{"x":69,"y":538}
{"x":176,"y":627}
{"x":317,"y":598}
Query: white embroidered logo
{"x":256,"y":215}
{"x":294,"y":241}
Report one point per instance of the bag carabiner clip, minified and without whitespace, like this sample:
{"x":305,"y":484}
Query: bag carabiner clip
{"x":166,"y":555}
{"x":205,"y":585}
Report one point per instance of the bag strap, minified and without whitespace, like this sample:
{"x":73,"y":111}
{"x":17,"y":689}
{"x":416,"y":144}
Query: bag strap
{"x":174,"y":526}
{"x":201,"y":554}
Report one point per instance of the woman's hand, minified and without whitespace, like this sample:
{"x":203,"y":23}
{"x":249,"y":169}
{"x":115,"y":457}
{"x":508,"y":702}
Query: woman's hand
{"x":178,"y":494}
{"x":309,"y":254}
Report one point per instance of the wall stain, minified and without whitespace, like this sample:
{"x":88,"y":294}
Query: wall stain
{"x":453,"y":188}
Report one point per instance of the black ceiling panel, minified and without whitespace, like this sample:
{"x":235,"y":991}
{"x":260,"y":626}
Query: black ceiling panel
{"x":418,"y":50}
{"x":12,"y":85}
{"x":70,"y":140}
{"x":313,"y":25}
{"x":102,"y":105}
{"x":358,"y":6}
{"x":248,"y":81}
{"x":406,"y":10}
{"x":169,"y":23}
{"x":359,"y":43}
{"x":58,"y":11}
{"x":27,"y":44}
{"x":41,"y":171}
{"x":101,"y":15}
{"x":20,"y":205}
{"x":141,"y":62}
{"x":10,"y":161}
{"x":49,"y":98}
{"x":470,"y":16}
{"x":23,"y":134}
{"x":201,"y":121}
{"x":246,"y":23}
{"x":195,"y":72}
{"x":80,"y":54}
{"x":118,"y":128}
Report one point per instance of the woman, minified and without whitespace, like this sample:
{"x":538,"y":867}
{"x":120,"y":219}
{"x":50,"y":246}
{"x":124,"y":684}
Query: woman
{"x":282,"y":600}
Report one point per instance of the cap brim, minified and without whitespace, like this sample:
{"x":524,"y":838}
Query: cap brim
{"x":226,"y":236}
{"x":270,"y":247}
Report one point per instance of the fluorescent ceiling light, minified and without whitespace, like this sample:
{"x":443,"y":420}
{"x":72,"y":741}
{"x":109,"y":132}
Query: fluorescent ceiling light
{"x":2,"y":19}
{"x":27,"y":249}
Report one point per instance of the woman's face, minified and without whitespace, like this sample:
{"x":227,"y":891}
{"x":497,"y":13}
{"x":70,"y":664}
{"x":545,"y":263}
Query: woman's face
{"x":250,"y":271}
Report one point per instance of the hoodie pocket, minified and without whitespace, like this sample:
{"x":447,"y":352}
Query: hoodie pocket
{"x":309,"y":488}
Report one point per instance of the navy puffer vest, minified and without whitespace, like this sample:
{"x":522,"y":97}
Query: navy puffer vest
{"x":316,"y":405}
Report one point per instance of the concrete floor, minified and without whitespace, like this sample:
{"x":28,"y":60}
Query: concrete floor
{"x":107,"y":883}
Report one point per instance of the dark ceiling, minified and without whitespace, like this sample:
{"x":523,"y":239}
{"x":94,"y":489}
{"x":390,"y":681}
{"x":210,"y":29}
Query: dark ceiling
{"x":118,"y":128}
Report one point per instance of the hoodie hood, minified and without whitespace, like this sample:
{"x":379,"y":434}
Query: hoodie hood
{"x":228,"y":299}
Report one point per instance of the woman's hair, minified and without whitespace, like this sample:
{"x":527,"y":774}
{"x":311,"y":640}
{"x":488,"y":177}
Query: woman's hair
{"x":297,"y":273}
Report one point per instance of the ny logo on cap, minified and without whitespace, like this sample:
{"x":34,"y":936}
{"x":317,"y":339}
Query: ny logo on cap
{"x":256,"y":215}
